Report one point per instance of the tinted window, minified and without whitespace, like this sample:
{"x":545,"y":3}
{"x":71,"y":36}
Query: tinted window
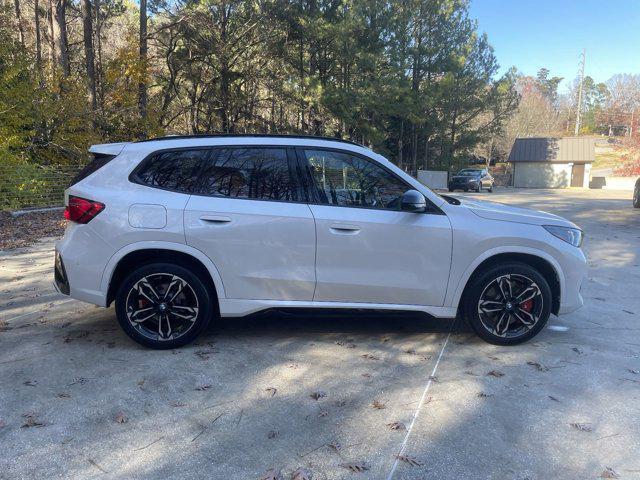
{"x":352,"y":181}
{"x":255,"y":173}
{"x":177,"y":170}
{"x":99,"y":161}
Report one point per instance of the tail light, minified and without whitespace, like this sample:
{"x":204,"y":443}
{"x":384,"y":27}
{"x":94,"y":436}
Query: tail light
{"x":81,"y":210}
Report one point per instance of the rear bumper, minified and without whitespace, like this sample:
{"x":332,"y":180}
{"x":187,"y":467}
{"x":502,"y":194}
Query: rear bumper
{"x":82,"y":256}
{"x":60,"y":280}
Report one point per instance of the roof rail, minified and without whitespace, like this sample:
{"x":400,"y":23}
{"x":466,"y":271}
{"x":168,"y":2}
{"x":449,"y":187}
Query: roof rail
{"x":250,"y":135}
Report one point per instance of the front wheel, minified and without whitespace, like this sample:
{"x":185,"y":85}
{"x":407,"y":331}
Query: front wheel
{"x":508,"y":304}
{"x":163,"y":305}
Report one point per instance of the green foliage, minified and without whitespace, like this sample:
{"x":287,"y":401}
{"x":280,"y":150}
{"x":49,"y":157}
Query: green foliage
{"x":411,"y":78}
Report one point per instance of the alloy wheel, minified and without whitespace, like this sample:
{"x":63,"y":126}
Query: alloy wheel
{"x":162,"y":306}
{"x":510,"y":305}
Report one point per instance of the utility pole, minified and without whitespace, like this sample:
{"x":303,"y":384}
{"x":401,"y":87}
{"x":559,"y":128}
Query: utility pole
{"x":582,"y":62}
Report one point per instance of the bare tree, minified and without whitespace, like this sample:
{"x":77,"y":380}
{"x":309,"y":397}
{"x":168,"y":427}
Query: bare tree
{"x":142,"y":85}
{"x":87,"y":29}
{"x":60,"y":35}
{"x":16,"y":3}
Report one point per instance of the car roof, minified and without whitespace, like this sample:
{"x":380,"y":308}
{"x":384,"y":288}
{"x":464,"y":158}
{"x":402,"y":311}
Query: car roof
{"x":223,"y":140}
{"x":250,"y":135}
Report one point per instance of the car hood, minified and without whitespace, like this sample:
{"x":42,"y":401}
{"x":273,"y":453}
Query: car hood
{"x":507,"y":213}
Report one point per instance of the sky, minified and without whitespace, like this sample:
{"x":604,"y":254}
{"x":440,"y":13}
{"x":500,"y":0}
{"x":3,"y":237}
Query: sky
{"x":531,"y":34}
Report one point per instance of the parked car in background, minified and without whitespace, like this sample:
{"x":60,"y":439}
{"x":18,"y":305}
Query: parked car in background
{"x":178,"y":231}
{"x":636,"y":194}
{"x":472,"y":179}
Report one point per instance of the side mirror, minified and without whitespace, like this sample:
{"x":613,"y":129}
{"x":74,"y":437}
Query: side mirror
{"x":413,"y":201}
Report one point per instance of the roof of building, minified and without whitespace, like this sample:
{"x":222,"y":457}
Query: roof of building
{"x":555,"y":150}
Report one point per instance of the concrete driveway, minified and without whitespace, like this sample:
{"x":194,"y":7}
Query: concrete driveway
{"x":402,"y":396}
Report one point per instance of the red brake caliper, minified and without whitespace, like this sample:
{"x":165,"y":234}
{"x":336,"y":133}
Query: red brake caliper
{"x":527,"y":305}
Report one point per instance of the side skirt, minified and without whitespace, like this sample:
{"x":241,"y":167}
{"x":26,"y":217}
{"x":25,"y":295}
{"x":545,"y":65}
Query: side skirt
{"x":239,"y":307}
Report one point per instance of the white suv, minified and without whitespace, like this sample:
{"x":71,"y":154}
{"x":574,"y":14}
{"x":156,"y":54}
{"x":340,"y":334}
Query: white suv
{"x":179,"y":230}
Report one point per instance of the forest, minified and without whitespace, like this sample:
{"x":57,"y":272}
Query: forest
{"x":413,"y":79}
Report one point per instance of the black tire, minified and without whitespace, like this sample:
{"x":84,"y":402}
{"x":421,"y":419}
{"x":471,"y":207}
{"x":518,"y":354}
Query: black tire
{"x":479,"y":188}
{"x":636,"y":194}
{"x":490,"y":189}
{"x":451,"y":189}
{"x":486,"y":281}
{"x":195,"y":300}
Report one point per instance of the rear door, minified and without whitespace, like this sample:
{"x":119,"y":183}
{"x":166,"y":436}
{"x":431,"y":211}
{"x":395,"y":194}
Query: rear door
{"x":251,"y":218}
{"x":369,"y":251}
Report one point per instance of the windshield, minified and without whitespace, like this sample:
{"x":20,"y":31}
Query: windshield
{"x":469,"y":173}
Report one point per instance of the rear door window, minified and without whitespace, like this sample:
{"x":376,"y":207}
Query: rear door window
{"x":177,"y":170}
{"x":257,"y":173}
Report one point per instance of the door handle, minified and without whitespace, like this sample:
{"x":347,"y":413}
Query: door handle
{"x":344,"y":229}
{"x":215,"y":219}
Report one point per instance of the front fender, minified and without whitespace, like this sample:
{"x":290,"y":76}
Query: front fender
{"x":454,"y":296}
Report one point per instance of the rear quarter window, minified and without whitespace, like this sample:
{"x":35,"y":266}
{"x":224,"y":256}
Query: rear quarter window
{"x":99,"y":161}
{"x":177,"y":170}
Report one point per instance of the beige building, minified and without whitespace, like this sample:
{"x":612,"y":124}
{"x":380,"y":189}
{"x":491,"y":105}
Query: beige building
{"x":552,"y":162}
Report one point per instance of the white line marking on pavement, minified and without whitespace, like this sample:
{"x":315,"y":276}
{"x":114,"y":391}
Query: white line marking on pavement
{"x":36,"y":311}
{"x":415,"y":415}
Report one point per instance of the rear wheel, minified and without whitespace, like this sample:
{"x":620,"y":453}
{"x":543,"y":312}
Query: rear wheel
{"x":508,"y":304}
{"x":163,"y":305}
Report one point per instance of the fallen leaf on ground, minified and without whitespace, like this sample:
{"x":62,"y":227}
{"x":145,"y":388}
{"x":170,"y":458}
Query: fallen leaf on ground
{"x":335,"y":446}
{"x":495,"y":373}
{"x":539,"y":366}
{"x":341,"y":403}
{"x":95,"y":464}
{"x":202,"y":388}
{"x":271,"y":390}
{"x":583,"y":427}
{"x":433,"y":378}
{"x":272,"y":434}
{"x":484,"y":395}
{"x":318,"y":395}
{"x":121,"y":418}
{"x":302,"y":474}
{"x":378,"y":405}
{"x":178,"y":404}
{"x":635,"y":372}
{"x":2,"y":424}
{"x":609,"y":473}
{"x":63,"y":395}
{"x":31,"y":420}
{"x":628,"y":311}
{"x":553,"y":398}
{"x":272,"y":474}
{"x":369,"y":356}
{"x":323,"y":413}
{"x":577,"y":350}
{"x":366,"y":375}
{"x":203,"y":354}
{"x":30,"y":383}
{"x":356,"y":467}
{"x":410,"y":460}
{"x":396,"y":426}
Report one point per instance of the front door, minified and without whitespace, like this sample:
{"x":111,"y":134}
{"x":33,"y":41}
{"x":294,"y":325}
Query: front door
{"x":252,"y":221}
{"x":368,"y":251}
{"x":577,"y":175}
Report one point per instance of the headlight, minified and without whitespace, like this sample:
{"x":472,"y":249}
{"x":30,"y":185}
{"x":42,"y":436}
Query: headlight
{"x":568,"y":234}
